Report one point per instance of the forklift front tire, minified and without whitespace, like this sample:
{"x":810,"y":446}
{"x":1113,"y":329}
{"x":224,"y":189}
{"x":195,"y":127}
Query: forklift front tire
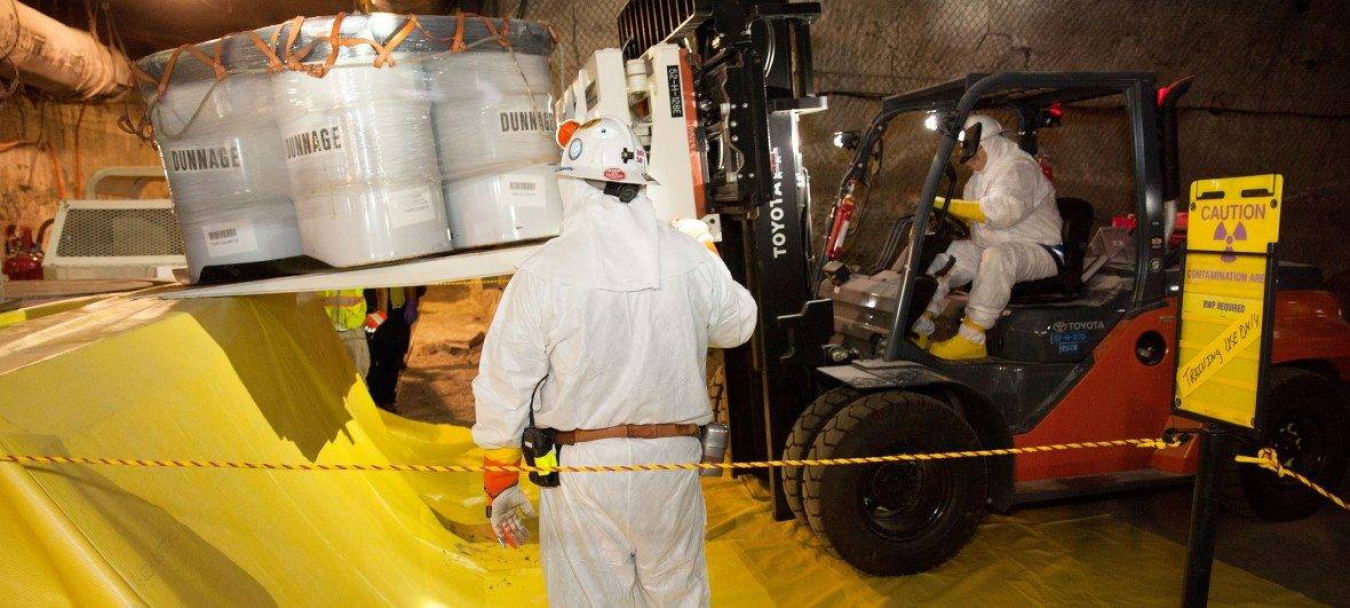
{"x":804,"y":433}
{"x":895,"y":518}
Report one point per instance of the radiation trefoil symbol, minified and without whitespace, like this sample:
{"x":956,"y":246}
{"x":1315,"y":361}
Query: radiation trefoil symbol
{"x":1221,"y":233}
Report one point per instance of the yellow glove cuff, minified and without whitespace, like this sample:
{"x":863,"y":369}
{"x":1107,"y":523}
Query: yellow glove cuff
{"x":962,"y":209}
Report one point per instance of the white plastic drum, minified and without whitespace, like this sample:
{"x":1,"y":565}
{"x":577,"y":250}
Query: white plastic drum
{"x":373,"y":223}
{"x":359,"y":146}
{"x":223,"y":156}
{"x":494,"y":130}
{"x":517,"y":205}
{"x":488,"y":116}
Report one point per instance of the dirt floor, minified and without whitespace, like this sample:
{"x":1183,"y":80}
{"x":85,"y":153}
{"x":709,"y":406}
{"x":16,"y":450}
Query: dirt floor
{"x":447,"y":340}
{"x":443,"y":358}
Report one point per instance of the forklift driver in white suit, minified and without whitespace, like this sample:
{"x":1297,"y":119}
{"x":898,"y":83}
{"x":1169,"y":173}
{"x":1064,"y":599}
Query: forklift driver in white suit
{"x":1014,"y":236}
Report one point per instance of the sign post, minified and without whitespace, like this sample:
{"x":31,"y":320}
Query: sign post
{"x":1224,"y":335}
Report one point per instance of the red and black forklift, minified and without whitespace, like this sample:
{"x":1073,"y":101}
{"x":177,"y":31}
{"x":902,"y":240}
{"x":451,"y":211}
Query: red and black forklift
{"x":1086,"y":355}
{"x":1082,"y":356}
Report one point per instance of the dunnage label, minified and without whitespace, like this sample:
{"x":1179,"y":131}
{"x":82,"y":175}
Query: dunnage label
{"x":516,"y":121}
{"x":326,"y":139}
{"x":218,"y":158}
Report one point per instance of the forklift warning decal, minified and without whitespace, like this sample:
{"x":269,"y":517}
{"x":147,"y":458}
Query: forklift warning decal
{"x":1234,"y":223}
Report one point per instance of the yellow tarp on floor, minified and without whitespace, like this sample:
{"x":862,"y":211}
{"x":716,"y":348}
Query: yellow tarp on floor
{"x":264,"y":379}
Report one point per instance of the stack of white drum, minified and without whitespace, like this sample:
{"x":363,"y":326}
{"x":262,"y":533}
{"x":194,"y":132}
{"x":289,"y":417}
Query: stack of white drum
{"x":432,"y":152}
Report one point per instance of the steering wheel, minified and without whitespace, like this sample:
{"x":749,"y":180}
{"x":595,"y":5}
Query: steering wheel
{"x":948,"y":226}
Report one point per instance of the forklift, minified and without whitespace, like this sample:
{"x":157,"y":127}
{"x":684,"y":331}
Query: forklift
{"x":832,"y":371}
{"x":1085,"y":355}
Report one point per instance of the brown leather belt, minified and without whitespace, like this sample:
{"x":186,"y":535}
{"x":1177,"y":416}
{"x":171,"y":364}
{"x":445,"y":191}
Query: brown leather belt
{"x":632,"y":431}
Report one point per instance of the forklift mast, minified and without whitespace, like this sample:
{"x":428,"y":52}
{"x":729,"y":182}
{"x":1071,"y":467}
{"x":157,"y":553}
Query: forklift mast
{"x":752,"y":79}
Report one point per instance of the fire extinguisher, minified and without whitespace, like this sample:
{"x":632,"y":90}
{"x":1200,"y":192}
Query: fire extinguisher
{"x":843,"y":216}
{"x":1046,"y":169}
{"x":23,"y":252}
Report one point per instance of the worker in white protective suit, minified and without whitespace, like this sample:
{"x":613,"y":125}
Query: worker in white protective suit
{"x":1014,"y":236}
{"x":611,"y":323}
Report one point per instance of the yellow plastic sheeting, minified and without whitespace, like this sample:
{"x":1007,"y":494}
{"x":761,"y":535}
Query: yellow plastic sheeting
{"x":1037,"y":557}
{"x":262,"y":379}
{"x":256,"y":379}
{"x":19,"y":315}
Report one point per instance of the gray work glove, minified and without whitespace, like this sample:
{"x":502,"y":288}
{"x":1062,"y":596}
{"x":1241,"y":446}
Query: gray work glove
{"x":504,"y":513}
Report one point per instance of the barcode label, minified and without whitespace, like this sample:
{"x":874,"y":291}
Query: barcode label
{"x":523,"y":190}
{"x":222,"y":234}
{"x":229,"y":238}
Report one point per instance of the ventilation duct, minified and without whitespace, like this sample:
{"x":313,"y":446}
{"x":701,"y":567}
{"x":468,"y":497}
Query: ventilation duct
{"x":57,"y":58}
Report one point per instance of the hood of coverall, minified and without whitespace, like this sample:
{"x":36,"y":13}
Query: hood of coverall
{"x":605,"y":244}
{"x":998,"y":151}
{"x":1004,"y":160}
{"x":1011,"y":183}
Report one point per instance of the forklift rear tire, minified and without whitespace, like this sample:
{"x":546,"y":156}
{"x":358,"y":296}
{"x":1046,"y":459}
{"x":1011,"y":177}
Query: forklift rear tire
{"x":804,"y":433}
{"x":896,"y":518}
{"x":1307,"y":424}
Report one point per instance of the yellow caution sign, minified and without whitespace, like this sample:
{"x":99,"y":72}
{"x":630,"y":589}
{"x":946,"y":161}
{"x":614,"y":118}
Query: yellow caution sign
{"x":1224,"y":328}
{"x":1235,"y":214}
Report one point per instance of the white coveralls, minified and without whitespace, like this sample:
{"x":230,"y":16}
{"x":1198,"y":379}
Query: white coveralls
{"x":619,"y":313}
{"x":1019,"y":204}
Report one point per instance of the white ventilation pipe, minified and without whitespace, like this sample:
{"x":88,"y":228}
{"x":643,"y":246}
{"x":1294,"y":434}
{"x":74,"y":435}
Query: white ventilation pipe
{"x":57,"y":58}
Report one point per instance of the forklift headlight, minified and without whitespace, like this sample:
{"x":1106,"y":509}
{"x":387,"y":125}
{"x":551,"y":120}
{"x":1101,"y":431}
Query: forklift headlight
{"x":846,"y":140}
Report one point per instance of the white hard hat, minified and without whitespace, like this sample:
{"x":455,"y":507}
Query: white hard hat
{"x":603,"y":149}
{"x":988,"y":127}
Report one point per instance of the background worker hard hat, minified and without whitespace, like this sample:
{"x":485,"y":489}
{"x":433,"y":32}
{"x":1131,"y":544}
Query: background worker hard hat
{"x":602,"y":149}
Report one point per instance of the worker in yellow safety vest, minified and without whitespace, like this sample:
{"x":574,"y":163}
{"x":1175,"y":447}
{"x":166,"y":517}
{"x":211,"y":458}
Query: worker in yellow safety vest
{"x":346,"y":309}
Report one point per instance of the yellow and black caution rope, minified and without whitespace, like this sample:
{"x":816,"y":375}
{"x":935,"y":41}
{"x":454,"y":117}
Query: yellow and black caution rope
{"x":1270,"y":461}
{"x":1266,"y":459}
{"x":30,"y":460}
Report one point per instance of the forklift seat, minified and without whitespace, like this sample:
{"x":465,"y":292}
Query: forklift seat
{"x":1077,"y":217}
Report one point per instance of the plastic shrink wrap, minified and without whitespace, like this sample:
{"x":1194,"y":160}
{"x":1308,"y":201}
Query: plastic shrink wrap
{"x":494,"y":132}
{"x":364,"y":155}
{"x":223,"y":156}
{"x":516,"y":205}
{"x":362,"y":161}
